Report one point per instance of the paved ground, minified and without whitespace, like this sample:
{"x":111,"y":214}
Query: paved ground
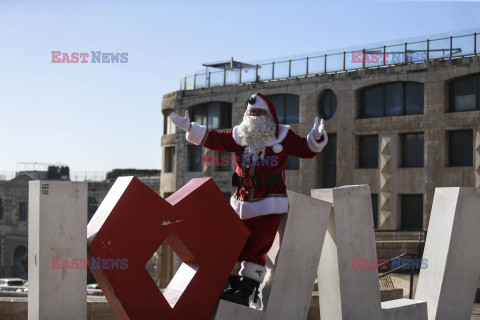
{"x":475,"y":312}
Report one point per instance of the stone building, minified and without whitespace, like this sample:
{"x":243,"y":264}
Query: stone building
{"x":403,"y":129}
{"x":14,"y":217}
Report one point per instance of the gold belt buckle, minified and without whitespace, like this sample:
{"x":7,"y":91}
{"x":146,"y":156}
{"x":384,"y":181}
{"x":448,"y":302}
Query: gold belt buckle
{"x":248,"y":182}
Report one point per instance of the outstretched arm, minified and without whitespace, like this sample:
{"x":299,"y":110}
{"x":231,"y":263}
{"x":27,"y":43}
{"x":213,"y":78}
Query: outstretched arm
{"x":199,"y":135}
{"x":307,"y":147}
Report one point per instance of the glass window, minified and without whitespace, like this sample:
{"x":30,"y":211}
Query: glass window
{"x":460,"y":148}
{"x":292,"y":108}
{"x":464,"y":94}
{"x":213,"y":115}
{"x":168,"y":126}
{"x":199,"y":115}
{"x":368,"y":151}
{"x":169,"y":159}
{"x":391,"y":99}
{"x":413,"y":98}
{"x":411,"y":211}
{"x":223,"y":162}
{"x":287,"y":106}
{"x":375,"y":209}
{"x":1,"y":209}
{"x":412,"y":150}
{"x":23,"y":211}
{"x":293,"y":163}
{"x":330,"y":162}
{"x":394,"y":99}
{"x":371,"y":102}
{"x":328,"y":104}
{"x":194,"y":155}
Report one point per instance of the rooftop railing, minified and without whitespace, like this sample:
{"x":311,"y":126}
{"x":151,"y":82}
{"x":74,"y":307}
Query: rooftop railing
{"x":412,"y":50}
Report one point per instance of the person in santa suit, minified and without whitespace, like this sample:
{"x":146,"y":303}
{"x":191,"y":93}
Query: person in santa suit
{"x":261,"y":146}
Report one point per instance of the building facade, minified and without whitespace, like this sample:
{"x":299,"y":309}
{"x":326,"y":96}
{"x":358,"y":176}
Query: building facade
{"x":402,"y":129}
{"x":14,"y":218}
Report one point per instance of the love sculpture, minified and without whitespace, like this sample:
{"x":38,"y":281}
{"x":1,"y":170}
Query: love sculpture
{"x":202,"y":228}
{"x":197,"y":222}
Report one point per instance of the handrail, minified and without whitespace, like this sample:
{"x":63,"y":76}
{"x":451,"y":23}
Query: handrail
{"x":408,"y":264}
{"x":320,"y":63}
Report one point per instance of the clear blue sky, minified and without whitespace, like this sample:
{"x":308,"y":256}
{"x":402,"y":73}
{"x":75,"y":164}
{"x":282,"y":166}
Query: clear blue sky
{"x":98,"y":117}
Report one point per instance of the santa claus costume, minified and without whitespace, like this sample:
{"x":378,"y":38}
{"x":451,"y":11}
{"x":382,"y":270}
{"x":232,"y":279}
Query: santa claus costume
{"x":261,"y":146}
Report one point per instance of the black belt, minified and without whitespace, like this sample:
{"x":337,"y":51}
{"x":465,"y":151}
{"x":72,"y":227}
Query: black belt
{"x":256,"y":181}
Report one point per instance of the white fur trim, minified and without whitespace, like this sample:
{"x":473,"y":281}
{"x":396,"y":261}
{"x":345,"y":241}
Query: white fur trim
{"x":236,"y":268}
{"x":277,"y":148}
{"x":269,"y":205}
{"x":253,"y":271}
{"x":282,"y":133}
{"x":313,"y":144}
{"x":259,"y":103}
{"x":196,"y":133}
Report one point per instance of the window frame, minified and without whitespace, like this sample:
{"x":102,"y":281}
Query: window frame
{"x":451,"y":90}
{"x":332,"y":106}
{"x":170,"y":161}
{"x":359,"y":157}
{"x":190,"y":161}
{"x":449,"y":149}
{"x":23,"y":214}
{"x":225,"y":117}
{"x":383,"y":86}
{"x":227,"y":168}
{"x":284,"y":115}
{"x":375,"y":207}
{"x":332,"y":143}
{"x":168,"y":124}
{"x":403,"y":139}
{"x":292,"y":160}
{"x":402,"y":198}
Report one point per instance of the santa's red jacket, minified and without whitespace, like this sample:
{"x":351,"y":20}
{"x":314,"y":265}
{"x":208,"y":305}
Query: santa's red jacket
{"x":253,"y":201}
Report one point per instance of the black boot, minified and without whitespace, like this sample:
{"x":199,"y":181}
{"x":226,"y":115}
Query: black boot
{"x":232,"y":285}
{"x":243,"y":293}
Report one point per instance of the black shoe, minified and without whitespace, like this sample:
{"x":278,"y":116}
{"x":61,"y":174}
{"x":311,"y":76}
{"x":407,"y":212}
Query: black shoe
{"x":232,"y":285}
{"x":243,"y":293}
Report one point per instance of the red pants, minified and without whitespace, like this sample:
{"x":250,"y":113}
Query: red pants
{"x":262,"y":234}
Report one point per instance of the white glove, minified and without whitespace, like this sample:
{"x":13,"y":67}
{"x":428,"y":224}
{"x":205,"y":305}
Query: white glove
{"x":318,"y":130}
{"x":182,"y":123}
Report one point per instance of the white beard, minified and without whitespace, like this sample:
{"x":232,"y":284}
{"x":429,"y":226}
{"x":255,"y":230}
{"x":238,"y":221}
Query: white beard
{"x":255,"y":132}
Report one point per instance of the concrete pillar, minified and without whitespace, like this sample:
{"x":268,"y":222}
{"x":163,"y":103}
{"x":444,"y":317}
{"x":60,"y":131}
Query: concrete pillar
{"x":57,"y":228}
{"x":348,"y":285}
{"x":344,"y":292}
{"x":388,"y":167}
{"x":291,"y":265}
{"x":449,"y":282}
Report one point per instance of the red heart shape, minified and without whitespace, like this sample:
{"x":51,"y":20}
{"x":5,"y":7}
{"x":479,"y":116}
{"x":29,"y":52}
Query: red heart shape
{"x":196,"y":221}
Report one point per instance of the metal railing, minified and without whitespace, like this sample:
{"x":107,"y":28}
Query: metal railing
{"x":405,"y":264}
{"x":406,"y":235}
{"x":439,"y":46}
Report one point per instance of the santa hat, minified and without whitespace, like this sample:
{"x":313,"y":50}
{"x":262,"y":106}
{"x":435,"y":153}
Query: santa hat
{"x":259,"y":101}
